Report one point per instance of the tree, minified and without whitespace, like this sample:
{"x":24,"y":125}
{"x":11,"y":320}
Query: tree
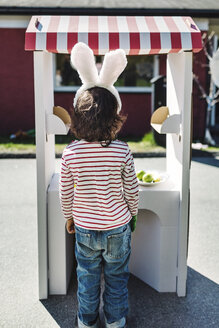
{"x":211,"y":96}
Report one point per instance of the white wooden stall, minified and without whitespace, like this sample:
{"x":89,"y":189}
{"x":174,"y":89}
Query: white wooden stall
{"x":168,"y":203}
{"x":160,"y":243}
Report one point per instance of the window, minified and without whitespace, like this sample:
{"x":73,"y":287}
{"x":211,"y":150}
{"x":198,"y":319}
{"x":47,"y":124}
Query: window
{"x":138,"y":72}
{"x":136,"y":76}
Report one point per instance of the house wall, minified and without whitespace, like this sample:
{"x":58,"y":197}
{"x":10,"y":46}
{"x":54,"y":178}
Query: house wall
{"x":16,"y":82}
{"x":199,"y":104}
{"x":17,"y":91}
{"x":137,"y":107}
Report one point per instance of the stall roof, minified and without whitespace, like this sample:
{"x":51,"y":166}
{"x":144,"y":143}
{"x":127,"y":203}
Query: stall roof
{"x":135,"y":34}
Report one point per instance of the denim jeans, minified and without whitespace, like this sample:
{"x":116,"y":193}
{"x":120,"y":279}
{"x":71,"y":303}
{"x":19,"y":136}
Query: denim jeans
{"x":109,"y":251}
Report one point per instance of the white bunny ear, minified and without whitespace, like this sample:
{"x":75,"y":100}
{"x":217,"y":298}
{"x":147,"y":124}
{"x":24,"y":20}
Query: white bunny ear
{"x":83,"y":60}
{"x":114,"y":64}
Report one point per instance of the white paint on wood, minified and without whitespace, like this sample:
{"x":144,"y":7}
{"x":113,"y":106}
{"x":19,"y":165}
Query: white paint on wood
{"x":175,"y":106}
{"x":179,"y":88}
{"x":202,"y":23}
{"x":60,"y":243}
{"x":154,"y":250}
{"x":45,"y":154}
{"x":164,"y":123}
{"x":11,"y":21}
{"x":186,"y":146}
{"x":56,"y":126}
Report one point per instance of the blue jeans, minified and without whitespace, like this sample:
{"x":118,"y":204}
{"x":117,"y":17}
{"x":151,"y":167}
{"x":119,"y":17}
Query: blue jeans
{"x":109,"y":251}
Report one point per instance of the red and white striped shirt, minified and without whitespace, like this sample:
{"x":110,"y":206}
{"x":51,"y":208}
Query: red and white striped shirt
{"x":98,"y":185}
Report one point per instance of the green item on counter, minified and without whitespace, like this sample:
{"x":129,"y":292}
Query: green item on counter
{"x":133,"y":223}
{"x":140,"y":174}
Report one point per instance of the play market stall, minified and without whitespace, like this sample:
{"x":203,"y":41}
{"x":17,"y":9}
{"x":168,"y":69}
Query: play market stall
{"x":160,"y":243}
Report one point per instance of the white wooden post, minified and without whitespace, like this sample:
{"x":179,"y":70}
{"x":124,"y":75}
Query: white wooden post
{"x":45,"y":154}
{"x":179,"y":89}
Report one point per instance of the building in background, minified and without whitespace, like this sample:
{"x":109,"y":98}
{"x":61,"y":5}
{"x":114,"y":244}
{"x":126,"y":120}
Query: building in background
{"x":136,"y":90}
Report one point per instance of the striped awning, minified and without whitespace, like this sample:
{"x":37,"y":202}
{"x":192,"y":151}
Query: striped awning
{"x":137,"y":35}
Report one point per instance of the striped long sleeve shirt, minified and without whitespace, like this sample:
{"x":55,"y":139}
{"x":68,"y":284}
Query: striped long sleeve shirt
{"x":98,"y":185}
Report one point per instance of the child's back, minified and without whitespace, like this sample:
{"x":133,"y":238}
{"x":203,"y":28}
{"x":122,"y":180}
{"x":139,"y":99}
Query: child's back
{"x":105,"y":186}
{"x":99,"y":191}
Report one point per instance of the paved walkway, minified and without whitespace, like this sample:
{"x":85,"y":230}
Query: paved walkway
{"x":20,"y":307}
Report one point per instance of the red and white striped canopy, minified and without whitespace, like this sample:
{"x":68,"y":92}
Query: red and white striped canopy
{"x":136,"y":35}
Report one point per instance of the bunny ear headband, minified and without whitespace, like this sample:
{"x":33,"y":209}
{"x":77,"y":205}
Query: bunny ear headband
{"x":83,"y":60}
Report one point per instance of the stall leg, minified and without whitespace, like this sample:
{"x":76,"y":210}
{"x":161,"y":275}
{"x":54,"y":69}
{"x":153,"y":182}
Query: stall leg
{"x":179,"y":90}
{"x":45,"y":154}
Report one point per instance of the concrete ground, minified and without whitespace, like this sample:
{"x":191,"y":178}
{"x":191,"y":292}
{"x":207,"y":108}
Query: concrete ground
{"x":20,"y":307}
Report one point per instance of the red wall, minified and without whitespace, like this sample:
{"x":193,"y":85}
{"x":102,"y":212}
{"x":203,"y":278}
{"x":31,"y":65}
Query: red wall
{"x":136,"y":106}
{"x":17,"y":91}
{"x":16,"y":83}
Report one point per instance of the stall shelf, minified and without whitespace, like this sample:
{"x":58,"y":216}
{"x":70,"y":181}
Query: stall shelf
{"x":160,"y":243}
{"x":58,"y":122}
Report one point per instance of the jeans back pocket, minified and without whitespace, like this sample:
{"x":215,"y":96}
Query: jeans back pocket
{"x":84,"y":243}
{"x":119,"y":244}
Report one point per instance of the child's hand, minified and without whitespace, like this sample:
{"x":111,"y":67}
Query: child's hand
{"x":70,"y":226}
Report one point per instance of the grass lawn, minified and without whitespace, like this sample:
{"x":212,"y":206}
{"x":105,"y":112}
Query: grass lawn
{"x":145,"y":144}
{"x":7,"y":146}
{"x":137,"y":145}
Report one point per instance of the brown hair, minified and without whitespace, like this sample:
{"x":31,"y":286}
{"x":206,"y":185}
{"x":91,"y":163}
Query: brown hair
{"x":95,"y":116}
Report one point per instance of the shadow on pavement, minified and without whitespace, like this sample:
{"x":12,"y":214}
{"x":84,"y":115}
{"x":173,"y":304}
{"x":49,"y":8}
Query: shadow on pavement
{"x":207,"y":160}
{"x":148,"y":308}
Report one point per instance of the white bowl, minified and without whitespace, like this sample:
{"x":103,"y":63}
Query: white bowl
{"x":162,"y":175}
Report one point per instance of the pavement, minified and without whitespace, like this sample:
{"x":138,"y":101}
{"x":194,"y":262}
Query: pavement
{"x":20,"y":307}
